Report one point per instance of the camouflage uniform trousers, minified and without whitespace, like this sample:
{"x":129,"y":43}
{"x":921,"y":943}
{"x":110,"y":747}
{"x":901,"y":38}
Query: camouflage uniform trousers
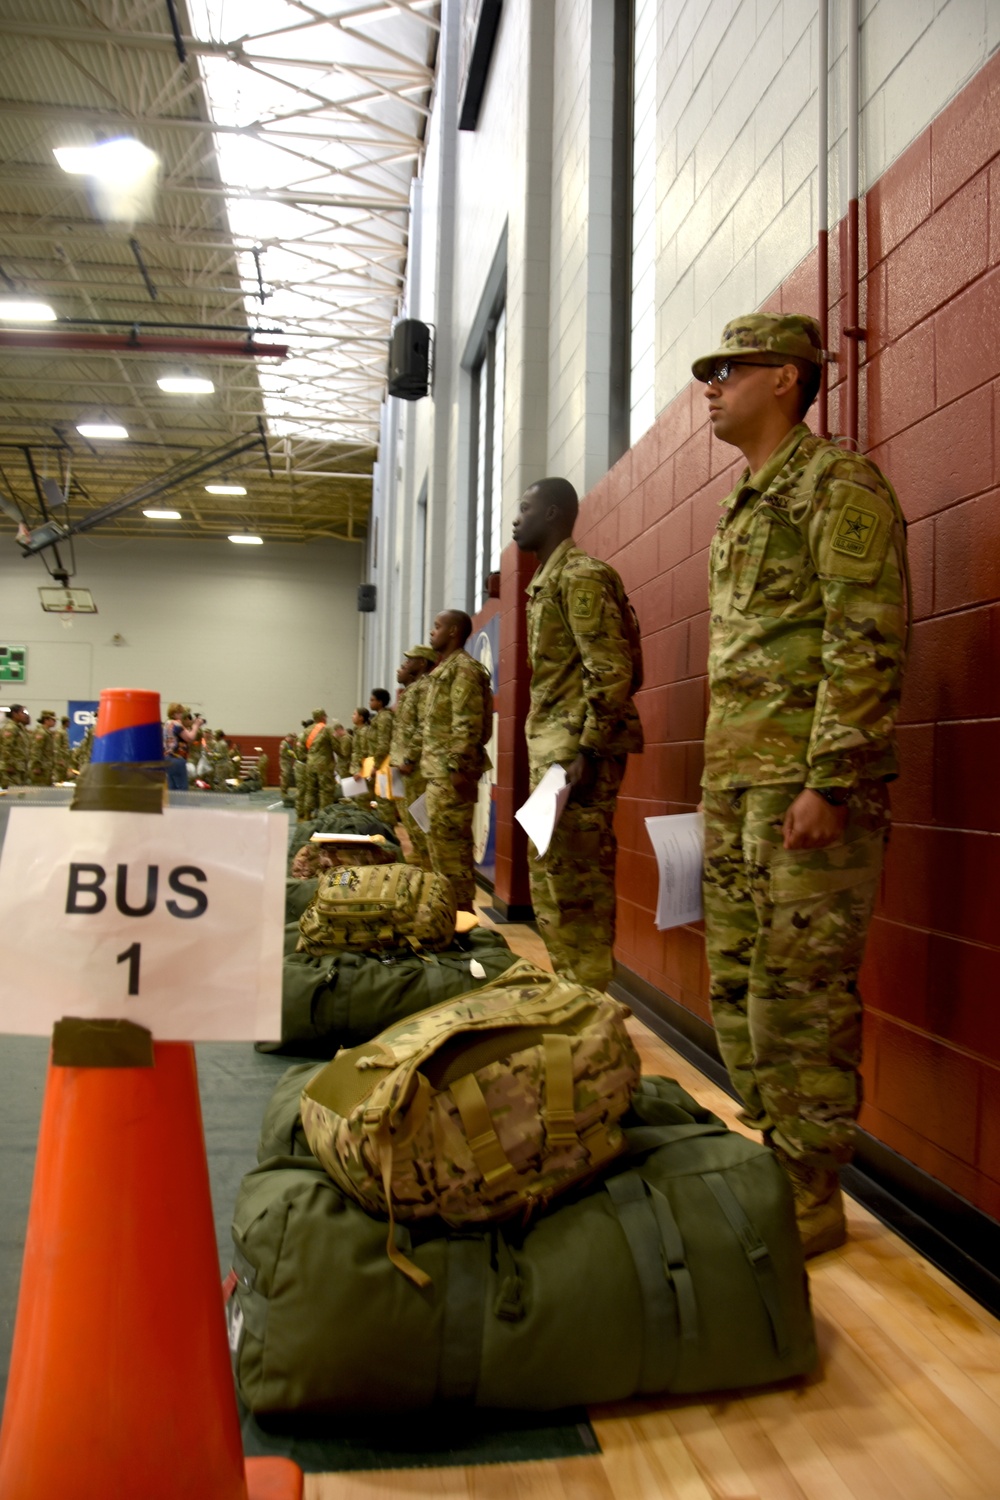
{"x":449,"y":841}
{"x":317,"y":789}
{"x":785,"y":932}
{"x":420,"y":854}
{"x":573,"y":884}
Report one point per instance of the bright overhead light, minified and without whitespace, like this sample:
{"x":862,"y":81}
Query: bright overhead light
{"x":123,"y":160}
{"x":186,"y":385}
{"x":225,"y":489}
{"x":245,"y":539}
{"x":25,"y":310}
{"x":163,"y":515}
{"x":112,"y":431}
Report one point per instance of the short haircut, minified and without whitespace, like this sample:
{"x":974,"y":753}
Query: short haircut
{"x":382,"y":695}
{"x":810,"y":376}
{"x":460,"y":621}
{"x":559,"y":494}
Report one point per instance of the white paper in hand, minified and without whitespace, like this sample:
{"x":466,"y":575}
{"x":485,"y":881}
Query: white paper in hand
{"x":419,"y":814}
{"x":679,"y":845}
{"x":543,"y":809}
{"x":398,"y":782}
{"x":353,"y":786}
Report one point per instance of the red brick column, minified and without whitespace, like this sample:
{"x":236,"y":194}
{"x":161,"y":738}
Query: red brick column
{"x":512,"y":897}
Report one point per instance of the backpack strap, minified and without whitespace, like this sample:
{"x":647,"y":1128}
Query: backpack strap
{"x":757,"y":1254}
{"x":665,"y":1285}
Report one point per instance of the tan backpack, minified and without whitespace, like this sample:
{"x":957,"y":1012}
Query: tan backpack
{"x":378,"y":909}
{"x":477,"y":1109}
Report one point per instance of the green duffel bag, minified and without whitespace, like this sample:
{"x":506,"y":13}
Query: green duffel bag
{"x":339,"y":817}
{"x":339,"y":1000}
{"x":298,"y":894}
{"x":678,"y":1271}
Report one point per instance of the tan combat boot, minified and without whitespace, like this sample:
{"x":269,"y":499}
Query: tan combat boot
{"x":819,"y":1204}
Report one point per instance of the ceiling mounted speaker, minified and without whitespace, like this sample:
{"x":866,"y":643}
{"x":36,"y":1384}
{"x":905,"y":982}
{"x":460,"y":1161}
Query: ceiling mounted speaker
{"x":409,"y":360}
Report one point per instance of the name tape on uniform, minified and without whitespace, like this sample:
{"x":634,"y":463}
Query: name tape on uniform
{"x":174,"y":921}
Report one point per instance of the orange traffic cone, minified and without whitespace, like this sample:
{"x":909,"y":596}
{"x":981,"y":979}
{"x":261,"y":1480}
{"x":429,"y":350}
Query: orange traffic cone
{"x":120,"y":1383}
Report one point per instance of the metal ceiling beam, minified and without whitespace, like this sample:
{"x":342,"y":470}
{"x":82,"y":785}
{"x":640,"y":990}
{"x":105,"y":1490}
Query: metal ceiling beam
{"x":52,"y":180}
{"x":112,"y":343}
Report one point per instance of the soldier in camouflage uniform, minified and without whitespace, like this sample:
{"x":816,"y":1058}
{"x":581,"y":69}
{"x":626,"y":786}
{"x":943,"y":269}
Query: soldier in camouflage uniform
{"x":82,"y":753}
{"x":41,"y":754}
{"x":458,"y":721}
{"x":407,"y":743}
{"x":586,"y":663}
{"x":15,"y":744}
{"x":359,"y":749}
{"x":318,"y":785}
{"x":286,"y":763}
{"x":379,"y":741}
{"x":343,"y":748}
{"x":806,"y":650}
{"x":61,"y":756}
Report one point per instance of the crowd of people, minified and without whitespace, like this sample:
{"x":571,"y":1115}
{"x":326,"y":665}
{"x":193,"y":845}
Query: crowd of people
{"x":808,"y":629}
{"x":39,"y":756}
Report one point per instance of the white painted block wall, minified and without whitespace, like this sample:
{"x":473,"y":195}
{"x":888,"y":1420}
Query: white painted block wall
{"x":252,"y":637}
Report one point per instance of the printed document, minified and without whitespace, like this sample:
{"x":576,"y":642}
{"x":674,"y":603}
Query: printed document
{"x":353,"y":786}
{"x":543,"y":809}
{"x":419,"y":814}
{"x":679,"y":845}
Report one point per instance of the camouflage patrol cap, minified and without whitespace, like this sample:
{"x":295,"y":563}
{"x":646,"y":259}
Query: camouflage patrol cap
{"x":47,"y":713}
{"x":424,"y":653}
{"x":319,"y":713}
{"x":775,"y":336}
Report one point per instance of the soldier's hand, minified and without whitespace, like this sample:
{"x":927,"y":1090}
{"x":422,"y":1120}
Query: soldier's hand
{"x":811,"y":823}
{"x":466,"y":786}
{"x":581,"y":774}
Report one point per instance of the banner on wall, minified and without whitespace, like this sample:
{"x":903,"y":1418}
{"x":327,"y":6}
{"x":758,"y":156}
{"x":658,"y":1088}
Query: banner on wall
{"x":485,"y":647}
{"x":82,"y":714}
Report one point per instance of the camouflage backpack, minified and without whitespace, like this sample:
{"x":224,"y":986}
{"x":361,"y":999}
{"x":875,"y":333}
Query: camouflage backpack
{"x":377,"y":908}
{"x":478,"y":1109}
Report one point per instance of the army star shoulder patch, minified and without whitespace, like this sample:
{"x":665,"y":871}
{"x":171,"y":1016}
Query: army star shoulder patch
{"x":583,"y":602}
{"x":855,"y":532}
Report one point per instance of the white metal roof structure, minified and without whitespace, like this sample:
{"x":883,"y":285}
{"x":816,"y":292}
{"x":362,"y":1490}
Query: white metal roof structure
{"x":286,"y":136}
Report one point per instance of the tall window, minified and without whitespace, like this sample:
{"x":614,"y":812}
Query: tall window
{"x":487,"y":459}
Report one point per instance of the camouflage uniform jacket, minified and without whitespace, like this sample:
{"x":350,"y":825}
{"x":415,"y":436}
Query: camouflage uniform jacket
{"x":458,"y":718}
{"x":60,"y":754}
{"x":319,"y":748}
{"x":15,"y":742}
{"x":408,"y":728}
{"x":286,"y":759}
{"x":359,"y":748}
{"x":343,"y":749}
{"x":380,"y":734}
{"x":807,"y":622}
{"x":82,"y":753}
{"x":42,"y":756}
{"x":581,"y":662}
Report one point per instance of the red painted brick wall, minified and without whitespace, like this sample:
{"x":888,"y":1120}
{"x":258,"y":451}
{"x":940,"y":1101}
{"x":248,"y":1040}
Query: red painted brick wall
{"x":930,"y":405}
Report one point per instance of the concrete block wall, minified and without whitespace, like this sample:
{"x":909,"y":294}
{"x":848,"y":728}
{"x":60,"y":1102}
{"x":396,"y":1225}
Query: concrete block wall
{"x":737,"y":134}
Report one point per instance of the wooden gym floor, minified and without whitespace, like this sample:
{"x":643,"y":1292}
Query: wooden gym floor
{"x":905,"y":1404}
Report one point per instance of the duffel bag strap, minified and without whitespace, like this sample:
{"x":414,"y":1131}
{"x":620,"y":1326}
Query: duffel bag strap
{"x":559,"y":1113}
{"x":663,"y":1313}
{"x":484,"y":1143}
{"x":756,"y":1252}
{"x":641,"y":1139}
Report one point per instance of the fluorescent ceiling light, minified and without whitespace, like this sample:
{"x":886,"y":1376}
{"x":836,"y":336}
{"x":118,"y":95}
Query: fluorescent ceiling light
{"x":186,"y":385}
{"x":225,"y":489}
{"x":25,"y":310}
{"x":245,"y":539}
{"x":112,"y":431}
{"x":122,"y":161}
{"x":163,"y":515}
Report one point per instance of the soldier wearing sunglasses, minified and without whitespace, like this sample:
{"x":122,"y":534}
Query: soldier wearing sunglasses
{"x":806,"y":649}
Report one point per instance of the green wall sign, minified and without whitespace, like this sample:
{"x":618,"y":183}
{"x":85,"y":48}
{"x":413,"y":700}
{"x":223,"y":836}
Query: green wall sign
{"x":13,"y":663}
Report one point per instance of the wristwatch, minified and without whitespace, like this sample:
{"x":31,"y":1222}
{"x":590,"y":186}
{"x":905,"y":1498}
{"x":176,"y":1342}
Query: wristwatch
{"x":836,"y":796}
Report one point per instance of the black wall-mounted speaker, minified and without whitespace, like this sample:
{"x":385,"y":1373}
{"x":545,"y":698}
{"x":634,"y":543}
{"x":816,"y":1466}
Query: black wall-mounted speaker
{"x":409,"y":360}
{"x":366,"y":598}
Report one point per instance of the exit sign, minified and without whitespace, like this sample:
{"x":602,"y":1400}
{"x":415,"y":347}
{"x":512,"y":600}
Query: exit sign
{"x":13,"y":663}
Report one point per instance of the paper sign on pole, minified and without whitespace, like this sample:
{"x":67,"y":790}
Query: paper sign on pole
{"x":173,"y":921}
{"x":543,"y":809}
{"x":679,"y":845}
{"x":419,"y":813}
